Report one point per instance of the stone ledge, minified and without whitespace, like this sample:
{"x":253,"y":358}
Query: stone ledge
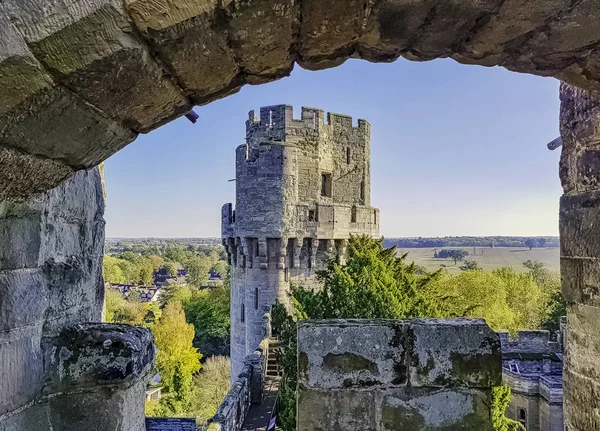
{"x":370,"y":354}
{"x":98,"y":356}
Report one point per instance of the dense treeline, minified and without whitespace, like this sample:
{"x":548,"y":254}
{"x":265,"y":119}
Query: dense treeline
{"x":157,"y":246}
{"x":376,"y":283}
{"x":139,"y":267}
{"x":474,"y":241}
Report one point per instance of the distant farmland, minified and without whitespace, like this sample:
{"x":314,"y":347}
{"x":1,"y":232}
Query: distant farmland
{"x":488,"y":258}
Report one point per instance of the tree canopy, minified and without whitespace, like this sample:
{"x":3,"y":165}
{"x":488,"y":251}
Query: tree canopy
{"x":177,"y":360}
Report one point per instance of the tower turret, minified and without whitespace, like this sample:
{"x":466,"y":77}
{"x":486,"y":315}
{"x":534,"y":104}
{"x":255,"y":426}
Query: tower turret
{"x":302,"y":187}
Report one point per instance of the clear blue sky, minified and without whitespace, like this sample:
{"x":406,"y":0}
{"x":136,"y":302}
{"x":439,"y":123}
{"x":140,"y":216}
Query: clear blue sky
{"x":455,"y":150}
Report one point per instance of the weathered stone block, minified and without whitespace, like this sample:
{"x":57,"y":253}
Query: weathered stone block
{"x":453,"y":352}
{"x":329,"y":31}
{"x":102,"y":411}
{"x":514,"y":19}
{"x":336,"y":410}
{"x":21,"y":366}
{"x":447,"y":25}
{"x":390,"y":27}
{"x":336,"y":354}
{"x":261,"y":34}
{"x":92,"y":356}
{"x":190,"y":37}
{"x":583,"y":352}
{"x":580,"y":280}
{"x":33,"y":129}
{"x":445,"y":409}
{"x":20,"y":73}
{"x":22,"y":175}
{"x":23,"y":298}
{"x":22,"y":239}
{"x":93,"y":51}
{"x":579,"y":226}
{"x":581,"y":402}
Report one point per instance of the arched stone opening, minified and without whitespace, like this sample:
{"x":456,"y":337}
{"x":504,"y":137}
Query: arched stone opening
{"x":78,"y":83}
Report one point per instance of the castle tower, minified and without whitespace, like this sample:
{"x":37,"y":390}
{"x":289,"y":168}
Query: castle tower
{"x":302,"y":187}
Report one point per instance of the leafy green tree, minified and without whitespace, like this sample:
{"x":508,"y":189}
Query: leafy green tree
{"x":530,"y":242}
{"x":470,"y":265}
{"x":473,"y":294}
{"x":373,"y":283}
{"x":454,"y":254}
{"x":208,"y":311}
{"x":111,"y":271}
{"x":197,"y":270}
{"x":550,"y":284}
{"x":145,"y":274}
{"x":176,"y":293}
{"x":211,"y":386}
{"x":177,"y":360}
{"x":524,"y":297}
{"x":119,"y":310}
{"x":170,"y":268}
{"x":221,"y":268}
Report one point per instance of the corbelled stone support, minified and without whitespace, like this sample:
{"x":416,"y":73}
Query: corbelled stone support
{"x":580,"y":256}
{"x":385,"y":375}
{"x":56,"y":371}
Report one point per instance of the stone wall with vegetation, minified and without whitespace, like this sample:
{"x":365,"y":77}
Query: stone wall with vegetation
{"x":246,"y":390}
{"x":390,"y":375}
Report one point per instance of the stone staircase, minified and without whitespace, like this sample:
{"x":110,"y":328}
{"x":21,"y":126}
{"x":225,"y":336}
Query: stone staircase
{"x":273,"y":368}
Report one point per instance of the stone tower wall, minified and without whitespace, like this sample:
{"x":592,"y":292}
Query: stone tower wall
{"x":284,"y":227}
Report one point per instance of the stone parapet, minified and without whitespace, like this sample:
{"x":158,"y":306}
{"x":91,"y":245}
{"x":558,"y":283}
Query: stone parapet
{"x":396,"y":375}
{"x":245,"y":391}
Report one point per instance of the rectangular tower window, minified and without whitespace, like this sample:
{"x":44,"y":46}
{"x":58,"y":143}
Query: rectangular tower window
{"x":257,"y":248}
{"x":374,"y":216}
{"x":353,"y":214}
{"x":311,"y":215}
{"x":362,"y":190}
{"x":256,"y":298}
{"x":243,"y":313}
{"x":286,"y":275}
{"x":347,"y":155}
{"x":326,"y":185}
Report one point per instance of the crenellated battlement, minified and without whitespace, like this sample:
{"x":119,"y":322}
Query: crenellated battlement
{"x":276,"y":120}
{"x":535,"y":342}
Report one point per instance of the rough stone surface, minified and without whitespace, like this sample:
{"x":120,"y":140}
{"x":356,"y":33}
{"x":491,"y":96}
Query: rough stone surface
{"x":55,"y":371}
{"x":396,"y":375}
{"x":284,"y":226}
{"x":579,"y":231}
{"x":139,"y":63}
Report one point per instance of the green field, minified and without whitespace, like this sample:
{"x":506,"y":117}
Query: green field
{"x":488,"y":258}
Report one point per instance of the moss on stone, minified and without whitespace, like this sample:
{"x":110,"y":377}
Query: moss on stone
{"x":348,"y":363}
{"x":401,"y":418}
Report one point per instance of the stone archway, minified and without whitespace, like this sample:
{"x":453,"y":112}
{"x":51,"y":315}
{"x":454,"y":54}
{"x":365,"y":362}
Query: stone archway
{"x":110,"y":69}
{"x":80,"y":79}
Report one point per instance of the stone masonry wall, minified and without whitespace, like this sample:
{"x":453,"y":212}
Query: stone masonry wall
{"x":383,"y":375}
{"x":50,"y":284}
{"x":580,"y":254}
